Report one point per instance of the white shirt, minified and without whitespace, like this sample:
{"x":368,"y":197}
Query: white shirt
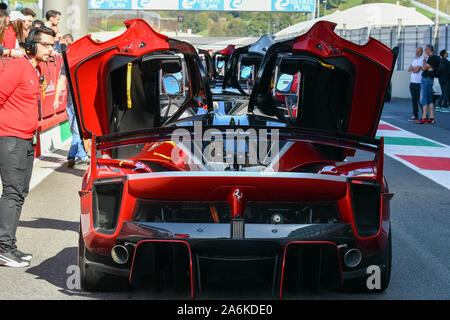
{"x":417,"y":77}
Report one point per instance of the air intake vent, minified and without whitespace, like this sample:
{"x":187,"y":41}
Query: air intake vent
{"x":183,"y":211}
{"x":291,"y":213}
{"x":366,"y":200}
{"x":107,"y":199}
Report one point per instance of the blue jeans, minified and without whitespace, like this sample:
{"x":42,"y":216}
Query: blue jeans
{"x":77,"y":146}
{"x":426,"y":91}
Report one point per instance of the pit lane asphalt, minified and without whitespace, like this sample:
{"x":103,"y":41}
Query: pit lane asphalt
{"x":420,"y":213}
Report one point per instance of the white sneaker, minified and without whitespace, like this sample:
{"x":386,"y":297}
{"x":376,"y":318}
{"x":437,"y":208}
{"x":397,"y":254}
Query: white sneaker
{"x":23,"y":255}
{"x":11,"y":259}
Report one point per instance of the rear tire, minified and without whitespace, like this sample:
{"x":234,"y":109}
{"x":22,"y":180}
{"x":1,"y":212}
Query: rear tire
{"x":94,"y":280}
{"x":360,"y":285}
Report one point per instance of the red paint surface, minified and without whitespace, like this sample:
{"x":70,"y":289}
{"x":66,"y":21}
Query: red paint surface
{"x":372,"y":62}
{"x":428,"y":163}
{"x":386,"y":127}
{"x":87,"y":62}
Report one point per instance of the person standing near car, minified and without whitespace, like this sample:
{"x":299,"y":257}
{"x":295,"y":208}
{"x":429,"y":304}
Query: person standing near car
{"x":414,"y":86}
{"x":431,"y":63}
{"x":19,"y":118}
{"x":444,"y":81}
{"x":53,"y":19}
{"x":77,"y":154}
{"x":14,"y":31}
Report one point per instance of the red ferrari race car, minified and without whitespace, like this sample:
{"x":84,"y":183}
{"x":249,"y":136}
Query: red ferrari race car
{"x":178,"y":196}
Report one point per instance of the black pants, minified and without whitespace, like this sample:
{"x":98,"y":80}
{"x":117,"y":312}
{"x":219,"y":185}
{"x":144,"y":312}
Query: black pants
{"x":16,"y":166}
{"x":414,"y":88}
{"x":443,"y":100}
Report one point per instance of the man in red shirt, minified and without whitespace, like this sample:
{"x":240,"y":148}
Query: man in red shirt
{"x":19,"y":118}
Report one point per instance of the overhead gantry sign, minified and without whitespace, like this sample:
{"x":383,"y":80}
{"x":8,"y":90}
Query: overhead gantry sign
{"x":206,"y":5}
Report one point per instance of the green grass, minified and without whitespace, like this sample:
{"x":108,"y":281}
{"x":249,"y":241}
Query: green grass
{"x":353,"y":3}
{"x":431,"y":16}
{"x":203,"y":33}
{"x":348,"y":4}
{"x":116,"y":27}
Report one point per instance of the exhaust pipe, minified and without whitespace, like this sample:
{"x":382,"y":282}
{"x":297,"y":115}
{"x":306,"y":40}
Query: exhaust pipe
{"x":352,"y":258}
{"x":120,"y":254}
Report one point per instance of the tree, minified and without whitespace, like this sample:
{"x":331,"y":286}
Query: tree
{"x":202,"y":21}
{"x":217,"y":29}
{"x":336,"y":3}
{"x":237,"y":28}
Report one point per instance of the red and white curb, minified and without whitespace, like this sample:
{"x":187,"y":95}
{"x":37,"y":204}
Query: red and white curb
{"x":425,"y":156}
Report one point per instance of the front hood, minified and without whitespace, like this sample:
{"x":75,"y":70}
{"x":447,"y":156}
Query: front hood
{"x":116,"y":85}
{"x":337,"y":85}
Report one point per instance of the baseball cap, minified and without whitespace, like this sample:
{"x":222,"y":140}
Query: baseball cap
{"x":17,"y":15}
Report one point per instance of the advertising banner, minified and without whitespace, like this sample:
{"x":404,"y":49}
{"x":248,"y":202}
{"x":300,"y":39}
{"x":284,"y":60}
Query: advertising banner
{"x":215,"y":5}
{"x":110,"y":4}
{"x":206,"y":5}
{"x":293,"y":5}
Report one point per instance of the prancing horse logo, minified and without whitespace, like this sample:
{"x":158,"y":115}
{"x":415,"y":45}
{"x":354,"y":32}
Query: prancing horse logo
{"x":237,"y":195}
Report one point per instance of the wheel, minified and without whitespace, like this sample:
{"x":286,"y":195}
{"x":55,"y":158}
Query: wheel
{"x":94,"y":280}
{"x":360,"y":285}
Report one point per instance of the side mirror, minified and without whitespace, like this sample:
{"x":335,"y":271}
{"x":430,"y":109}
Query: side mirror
{"x":284,"y":83}
{"x":171,"y":85}
{"x":246,"y":72}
